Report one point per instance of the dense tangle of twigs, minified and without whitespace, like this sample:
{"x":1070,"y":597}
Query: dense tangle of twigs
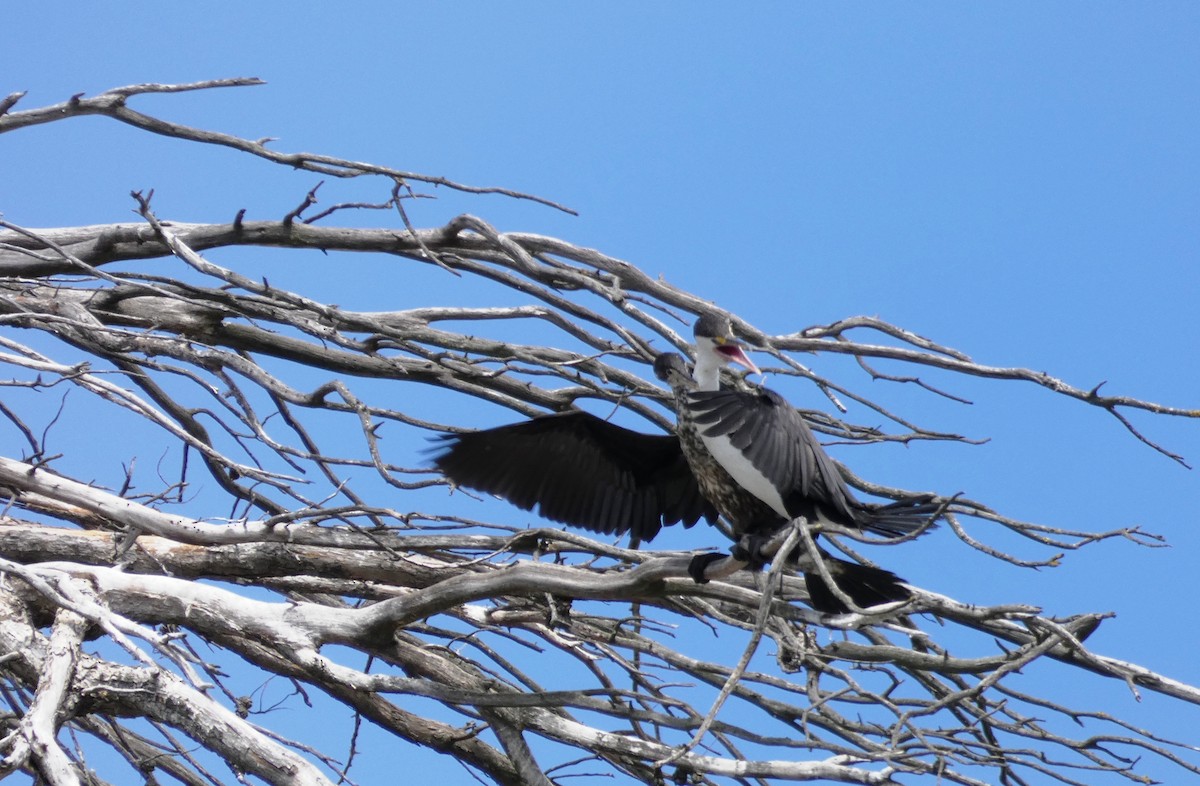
{"x":289,"y":411}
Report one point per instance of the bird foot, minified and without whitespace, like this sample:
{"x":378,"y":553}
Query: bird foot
{"x":699,"y":566}
{"x":759,"y":549}
{"x":705,"y":567}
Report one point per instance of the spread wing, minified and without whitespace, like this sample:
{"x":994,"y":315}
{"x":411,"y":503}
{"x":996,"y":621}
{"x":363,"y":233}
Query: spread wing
{"x":578,"y":469}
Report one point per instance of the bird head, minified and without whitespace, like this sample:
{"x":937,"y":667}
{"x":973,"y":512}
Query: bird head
{"x":716,"y":345}
{"x":670,"y":364}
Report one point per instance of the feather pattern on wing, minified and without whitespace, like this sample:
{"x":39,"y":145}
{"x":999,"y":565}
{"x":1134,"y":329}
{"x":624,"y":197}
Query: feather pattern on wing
{"x":578,"y":469}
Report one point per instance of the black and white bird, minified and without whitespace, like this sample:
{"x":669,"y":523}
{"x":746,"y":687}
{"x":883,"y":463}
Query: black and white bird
{"x":745,"y":454}
{"x":769,"y":450}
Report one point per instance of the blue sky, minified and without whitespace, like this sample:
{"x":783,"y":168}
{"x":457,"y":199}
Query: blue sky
{"x":1020,"y":181}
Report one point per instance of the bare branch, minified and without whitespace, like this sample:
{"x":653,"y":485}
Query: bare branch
{"x":236,"y":492}
{"x":112,"y":103}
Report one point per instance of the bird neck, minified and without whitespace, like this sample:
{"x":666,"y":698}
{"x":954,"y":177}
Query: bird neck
{"x":707,"y":371}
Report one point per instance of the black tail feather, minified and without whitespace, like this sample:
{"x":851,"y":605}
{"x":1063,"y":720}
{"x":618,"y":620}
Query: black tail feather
{"x":901,"y":518}
{"x":866,"y":586}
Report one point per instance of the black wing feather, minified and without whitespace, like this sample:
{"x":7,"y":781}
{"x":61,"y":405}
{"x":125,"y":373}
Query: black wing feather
{"x":578,"y":469}
{"x":775,"y":439}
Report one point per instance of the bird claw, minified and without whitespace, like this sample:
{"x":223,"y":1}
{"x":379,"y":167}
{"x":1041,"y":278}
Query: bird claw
{"x":699,"y":566}
{"x":705,"y":567}
{"x":760,"y":549}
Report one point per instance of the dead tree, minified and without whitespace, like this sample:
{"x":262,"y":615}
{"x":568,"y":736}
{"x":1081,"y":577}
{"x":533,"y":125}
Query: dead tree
{"x":213,"y":478}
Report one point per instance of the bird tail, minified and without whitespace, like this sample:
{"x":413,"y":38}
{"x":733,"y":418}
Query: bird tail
{"x":865,"y":585}
{"x":901,"y":518}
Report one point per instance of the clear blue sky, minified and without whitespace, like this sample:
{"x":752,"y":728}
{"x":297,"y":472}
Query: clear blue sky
{"x":1019,"y":180}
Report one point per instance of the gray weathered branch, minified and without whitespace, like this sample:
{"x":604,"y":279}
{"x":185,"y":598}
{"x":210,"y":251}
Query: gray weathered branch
{"x":249,"y":492}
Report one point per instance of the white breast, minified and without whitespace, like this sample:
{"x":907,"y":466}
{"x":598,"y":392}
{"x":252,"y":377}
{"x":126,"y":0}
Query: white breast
{"x":745,"y":473}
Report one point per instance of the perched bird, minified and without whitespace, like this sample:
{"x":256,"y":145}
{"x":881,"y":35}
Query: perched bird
{"x":756,"y":459}
{"x":747,"y":455}
{"x":768,"y":448}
